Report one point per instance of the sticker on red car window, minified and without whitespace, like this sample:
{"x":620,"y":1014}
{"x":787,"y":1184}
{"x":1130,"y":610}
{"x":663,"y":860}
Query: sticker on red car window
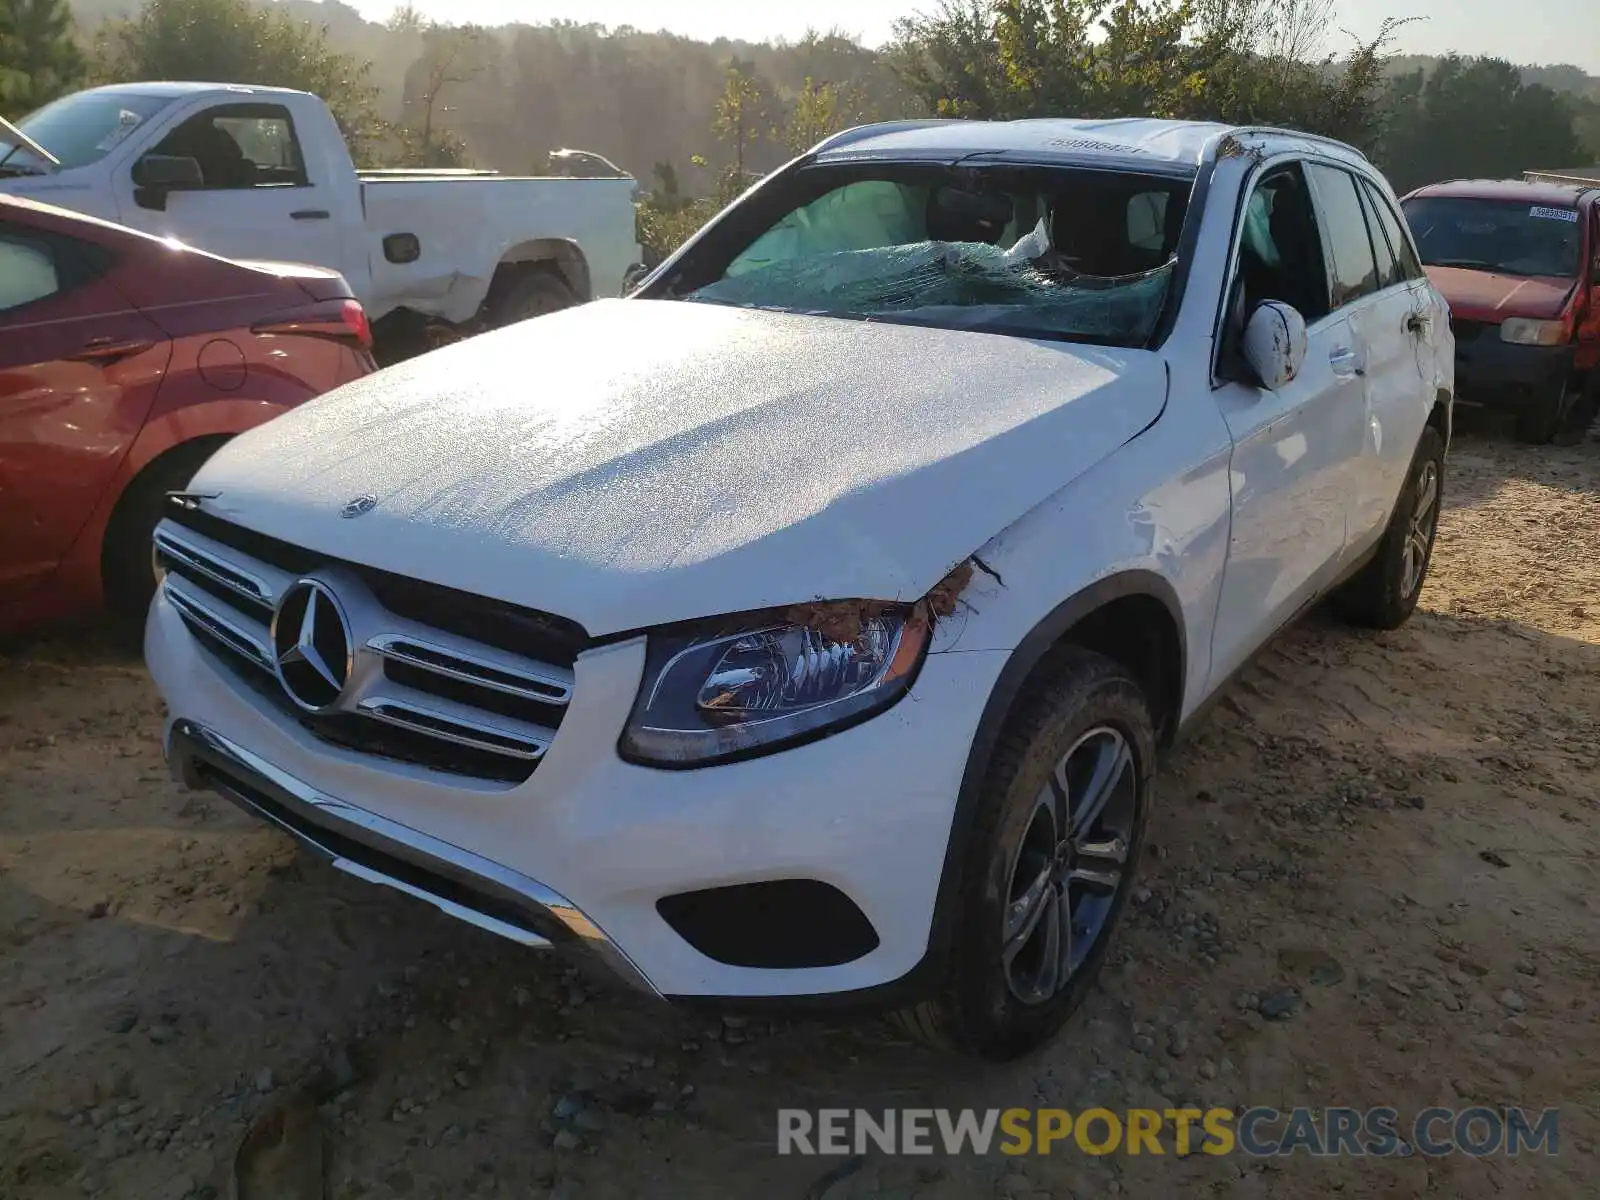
{"x":1569,"y":215}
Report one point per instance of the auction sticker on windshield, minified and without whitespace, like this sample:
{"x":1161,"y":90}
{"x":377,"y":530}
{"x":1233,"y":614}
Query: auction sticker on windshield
{"x":127,"y":122}
{"x":1569,"y":215}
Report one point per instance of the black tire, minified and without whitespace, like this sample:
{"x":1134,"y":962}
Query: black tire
{"x":127,"y":566}
{"x":998,"y":1007}
{"x":1544,"y":416}
{"x":1575,"y":430}
{"x":1384,"y":594}
{"x":530,"y":294}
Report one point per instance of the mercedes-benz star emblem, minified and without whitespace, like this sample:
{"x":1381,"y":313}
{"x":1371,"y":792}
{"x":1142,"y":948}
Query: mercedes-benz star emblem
{"x":359,"y":507}
{"x":311,"y":646}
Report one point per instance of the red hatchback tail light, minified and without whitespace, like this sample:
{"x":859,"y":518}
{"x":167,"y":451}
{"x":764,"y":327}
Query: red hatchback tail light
{"x":336,"y":320}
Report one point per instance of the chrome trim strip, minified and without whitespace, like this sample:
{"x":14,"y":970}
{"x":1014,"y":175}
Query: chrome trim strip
{"x":238,"y":639}
{"x":449,"y":907}
{"x":550,"y":685}
{"x":403,"y":714}
{"x":390,"y":837}
{"x":215,"y":568}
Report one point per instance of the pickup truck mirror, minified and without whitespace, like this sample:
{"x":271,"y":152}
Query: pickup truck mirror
{"x":157,"y":175}
{"x":1274,"y":343}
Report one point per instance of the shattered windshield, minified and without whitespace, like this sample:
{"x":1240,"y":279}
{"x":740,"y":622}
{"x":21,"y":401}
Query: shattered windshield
{"x":1081,"y":256}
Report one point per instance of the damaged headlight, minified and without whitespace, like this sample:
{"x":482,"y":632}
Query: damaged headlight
{"x":725,"y":693}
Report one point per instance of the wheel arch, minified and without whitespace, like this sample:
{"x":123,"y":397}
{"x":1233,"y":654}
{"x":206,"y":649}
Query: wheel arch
{"x":1442,"y":415}
{"x":199,"y":449}
{"x":1133,"y":617}
{"x":563,"y":255}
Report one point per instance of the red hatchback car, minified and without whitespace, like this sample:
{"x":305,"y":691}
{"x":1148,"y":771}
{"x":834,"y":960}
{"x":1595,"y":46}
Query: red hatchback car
{"x":125,"y":361}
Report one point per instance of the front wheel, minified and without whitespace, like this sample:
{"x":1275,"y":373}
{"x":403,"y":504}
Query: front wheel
{"x":1384,"y":594}
{"x":1054,"y":849}
{"x":127,"y":562}
{"x":1545,"y":415}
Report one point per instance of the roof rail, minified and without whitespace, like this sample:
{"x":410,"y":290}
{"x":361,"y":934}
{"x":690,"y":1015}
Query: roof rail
{"x":1274,"y":131}
{"x":1580,"y":181}
{"x":862,"y":132}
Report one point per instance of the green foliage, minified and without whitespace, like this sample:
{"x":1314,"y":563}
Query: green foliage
{"x":1475,"y":117}
{"x":1248,"y":61}
{"x":449,"y":56}
{"x":818,"y":111}
{"x":39,"y":60}
{"x":662,"y":224}
{"x":741,"y":113}
{"x":235,"y":41}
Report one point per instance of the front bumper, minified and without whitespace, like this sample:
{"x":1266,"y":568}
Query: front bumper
{"x":1505,"y":375}
{"x":587,"y":846}
{"x":363,"y":844}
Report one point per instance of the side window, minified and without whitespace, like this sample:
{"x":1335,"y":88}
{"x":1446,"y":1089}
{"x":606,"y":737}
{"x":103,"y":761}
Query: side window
{"x":1405,"y":255}
{"x":1388,"y":268}
{"x":1280,"y":250}
{"x":1353,"y":273}
{"x":240,"y":146}
{"x":27,"y":272}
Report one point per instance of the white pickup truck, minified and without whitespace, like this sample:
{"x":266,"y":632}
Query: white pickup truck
{"x":264,"y":173}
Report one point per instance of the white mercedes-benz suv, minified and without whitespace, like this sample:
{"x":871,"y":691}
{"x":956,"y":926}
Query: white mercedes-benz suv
{"x":807,"y":626}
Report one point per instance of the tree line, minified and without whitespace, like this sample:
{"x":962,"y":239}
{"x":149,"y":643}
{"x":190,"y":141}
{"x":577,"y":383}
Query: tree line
{"x":694,"y":121}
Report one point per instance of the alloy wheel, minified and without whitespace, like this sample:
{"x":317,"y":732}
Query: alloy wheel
{"x":1420,"y":528}
{"x":1070,"y":866}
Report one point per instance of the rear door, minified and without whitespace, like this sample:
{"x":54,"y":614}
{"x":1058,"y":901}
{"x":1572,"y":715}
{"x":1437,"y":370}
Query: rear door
{"x":259,"y":199}
{"x":79,"y":370}
{"x":1400,"y":398}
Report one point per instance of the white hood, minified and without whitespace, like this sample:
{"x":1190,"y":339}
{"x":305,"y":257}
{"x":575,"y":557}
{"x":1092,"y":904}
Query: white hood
{"x":631,"y":463}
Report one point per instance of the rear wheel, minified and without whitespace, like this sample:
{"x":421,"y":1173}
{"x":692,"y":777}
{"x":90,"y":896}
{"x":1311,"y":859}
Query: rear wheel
{"x":1054,"y":850}
{"x":531,"y":294}
{"x":127,"y":563}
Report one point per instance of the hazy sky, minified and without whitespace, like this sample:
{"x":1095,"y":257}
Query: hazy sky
{"x":1533,"y":31}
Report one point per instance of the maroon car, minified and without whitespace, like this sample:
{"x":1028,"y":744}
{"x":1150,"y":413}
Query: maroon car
{"x":125,"y":361}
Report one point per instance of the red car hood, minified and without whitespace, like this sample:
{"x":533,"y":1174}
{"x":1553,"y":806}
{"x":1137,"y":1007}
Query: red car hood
{"x":1489,"y":296}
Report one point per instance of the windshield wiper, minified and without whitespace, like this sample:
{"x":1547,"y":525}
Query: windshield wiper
{"x":21,"y":141}
{"x":1475,"y":264}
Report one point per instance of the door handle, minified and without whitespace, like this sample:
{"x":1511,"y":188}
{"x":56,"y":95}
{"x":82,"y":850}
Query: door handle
{"x":311,"y":214}
{"x":109,"y":350}
{"x":1345,"y":364}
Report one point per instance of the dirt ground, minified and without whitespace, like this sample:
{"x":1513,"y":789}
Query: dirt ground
{"x":1403,"y":827}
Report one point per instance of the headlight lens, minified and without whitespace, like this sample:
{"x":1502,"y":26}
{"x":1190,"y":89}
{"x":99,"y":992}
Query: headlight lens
{"x":1524,"y":331}
{"x":735,"y":692}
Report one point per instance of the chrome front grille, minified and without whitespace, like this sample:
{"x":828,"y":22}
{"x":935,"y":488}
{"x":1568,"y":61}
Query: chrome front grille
{"x":437,"y":678}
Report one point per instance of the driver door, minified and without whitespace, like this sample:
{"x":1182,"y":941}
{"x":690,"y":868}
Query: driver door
{"x":257,"y":201}
{"x":1296,"y":450}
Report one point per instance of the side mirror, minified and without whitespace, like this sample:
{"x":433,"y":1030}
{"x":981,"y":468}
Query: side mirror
{"x":634,"y":277}
{"x":157,"y":175}
{"x":1275,"y":343}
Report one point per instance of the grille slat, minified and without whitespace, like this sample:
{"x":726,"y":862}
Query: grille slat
{"x":529,"y":680}
{"x":441,"y":678}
